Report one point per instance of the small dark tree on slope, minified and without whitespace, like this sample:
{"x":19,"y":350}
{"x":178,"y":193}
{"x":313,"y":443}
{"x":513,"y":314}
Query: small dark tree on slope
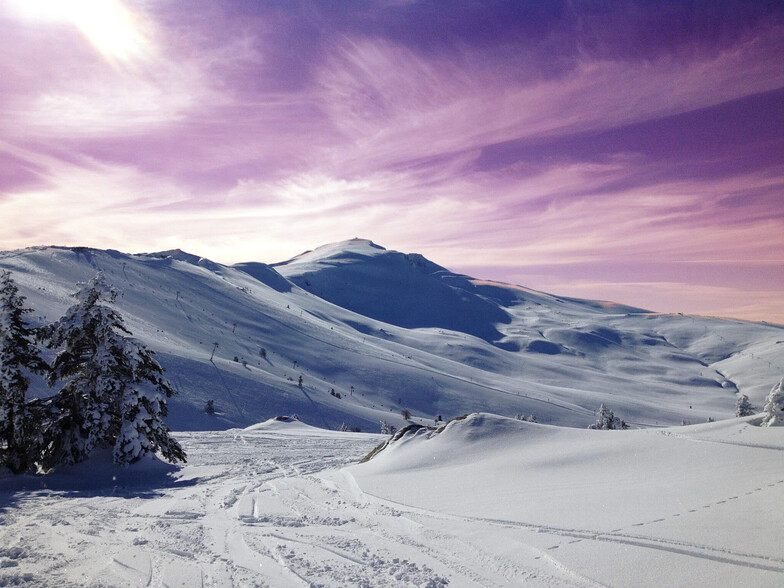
{"x":774,"y":407}
{"x":18,"y":357}
{"x":114,"y":393}
{"x":744,"y":407}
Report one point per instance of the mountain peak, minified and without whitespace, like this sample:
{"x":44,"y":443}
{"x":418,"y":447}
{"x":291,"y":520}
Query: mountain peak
{"x":351,"y":248}
{"x":177,"y":254}
{"x":406,"y":290}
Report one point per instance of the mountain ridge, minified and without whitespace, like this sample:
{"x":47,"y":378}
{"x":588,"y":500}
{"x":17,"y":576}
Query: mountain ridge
{"x":351,"y":319}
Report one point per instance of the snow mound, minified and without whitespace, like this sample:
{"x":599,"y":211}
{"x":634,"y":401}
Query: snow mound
{"x":281,"y":423}
{"x":291,"y":425}
{"x":615,"y":505}
{"x":477,"y":434}
{"x":500,"y":468}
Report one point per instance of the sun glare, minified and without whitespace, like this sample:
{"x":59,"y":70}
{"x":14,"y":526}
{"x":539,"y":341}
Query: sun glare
{"x":111,"y":27}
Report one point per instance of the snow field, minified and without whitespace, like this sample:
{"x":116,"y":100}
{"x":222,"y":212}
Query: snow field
{"x":488,"y":502}
{"x":683,"y":506}
{"x":249,"y":510}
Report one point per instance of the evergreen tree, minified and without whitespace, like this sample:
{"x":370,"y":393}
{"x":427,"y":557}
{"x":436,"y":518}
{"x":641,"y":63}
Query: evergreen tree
{"x":607,"y":420}
{"x":19,"y":357}
{"x":387,"y":429}
{"x":86,"y":409}
{"x":774,"y":407}
{"x":744,"y":407}
{"x":114,"y":393}
{"x":144,"y":407}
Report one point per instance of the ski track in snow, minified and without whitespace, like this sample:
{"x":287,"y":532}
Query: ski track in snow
{"x":251,"y":509}
{"x":690,"y":549}
{"x":259,"y":515}
{"x":258,"y":508}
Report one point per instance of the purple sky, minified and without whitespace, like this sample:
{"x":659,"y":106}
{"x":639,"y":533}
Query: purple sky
{"x":631,"y":151}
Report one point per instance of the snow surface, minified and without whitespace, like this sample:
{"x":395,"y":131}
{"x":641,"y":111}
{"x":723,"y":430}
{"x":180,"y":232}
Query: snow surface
{"x":405,"y":333}
{"x":488,"y":501}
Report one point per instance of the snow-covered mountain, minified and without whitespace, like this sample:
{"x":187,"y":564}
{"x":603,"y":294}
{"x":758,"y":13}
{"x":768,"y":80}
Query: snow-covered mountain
{"x":372,"y":332}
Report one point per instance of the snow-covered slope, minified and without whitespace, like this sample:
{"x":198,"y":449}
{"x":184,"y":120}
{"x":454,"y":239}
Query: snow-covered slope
{"x":373,"y":332}
{"x":403,"y":290}
{"x":488,"y":502}
{"x":685,"y":506}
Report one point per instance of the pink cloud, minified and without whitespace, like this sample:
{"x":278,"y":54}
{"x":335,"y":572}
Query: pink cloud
{"x":259,"y":134}
{"x":673,"y":297}
{"x":398,"y":106}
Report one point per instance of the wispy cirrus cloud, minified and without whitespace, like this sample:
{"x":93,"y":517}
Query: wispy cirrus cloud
{"x":554,"y":135}
{"x":401,"y":106}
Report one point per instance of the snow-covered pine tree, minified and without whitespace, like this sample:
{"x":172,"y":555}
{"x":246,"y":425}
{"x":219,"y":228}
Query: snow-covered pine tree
{"x":743,"y":407}
{"x":144,"y":407}
{"x":607,"y":420}
{"x":86,"y":410}
{"x":774,"y":407}
{"x":19,"y":357}
{"x":113,"y":395}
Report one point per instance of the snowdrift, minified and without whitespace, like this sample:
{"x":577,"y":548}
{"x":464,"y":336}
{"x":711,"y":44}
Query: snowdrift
{"x":710,"y":493}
